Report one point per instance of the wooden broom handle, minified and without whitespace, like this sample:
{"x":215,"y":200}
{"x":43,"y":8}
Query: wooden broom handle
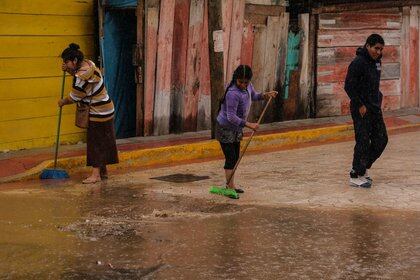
{"x":249,"y":141}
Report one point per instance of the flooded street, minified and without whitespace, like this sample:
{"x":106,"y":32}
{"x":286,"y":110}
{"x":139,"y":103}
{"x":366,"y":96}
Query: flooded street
{"x":293,"y":226}
{"x":122,"y":233}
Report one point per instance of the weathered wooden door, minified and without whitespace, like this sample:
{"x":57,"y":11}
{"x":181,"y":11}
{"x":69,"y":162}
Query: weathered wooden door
{"x":177,"y":82}
{"x":177,"y":70}
{"x":264,"y":46}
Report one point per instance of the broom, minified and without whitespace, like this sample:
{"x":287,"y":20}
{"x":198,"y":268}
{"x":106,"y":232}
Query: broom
{"x":56,"y":173}
{"x":231,"y":192}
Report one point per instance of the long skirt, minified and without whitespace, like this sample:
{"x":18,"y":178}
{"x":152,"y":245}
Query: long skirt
{"x":101,"y":145}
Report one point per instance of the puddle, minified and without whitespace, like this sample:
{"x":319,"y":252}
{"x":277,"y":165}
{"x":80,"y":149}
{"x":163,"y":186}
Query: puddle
{"x":129,"y":233}
{"x":181,"y":178}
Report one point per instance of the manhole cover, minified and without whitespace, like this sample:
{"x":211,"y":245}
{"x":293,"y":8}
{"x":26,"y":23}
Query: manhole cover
{"x":181,"y":178}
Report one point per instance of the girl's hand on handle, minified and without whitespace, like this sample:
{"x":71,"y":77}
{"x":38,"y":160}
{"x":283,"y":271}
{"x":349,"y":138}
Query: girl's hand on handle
{"x":269,"y":94}
{"x":253,"y":126}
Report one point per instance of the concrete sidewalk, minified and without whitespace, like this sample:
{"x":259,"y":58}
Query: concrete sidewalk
{"x":155,"y":150}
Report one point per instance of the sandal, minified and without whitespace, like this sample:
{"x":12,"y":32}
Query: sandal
{"x":239,"y":190}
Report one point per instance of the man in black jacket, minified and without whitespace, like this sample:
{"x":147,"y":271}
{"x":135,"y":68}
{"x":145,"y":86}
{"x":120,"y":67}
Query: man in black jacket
{"x":362,"y":86}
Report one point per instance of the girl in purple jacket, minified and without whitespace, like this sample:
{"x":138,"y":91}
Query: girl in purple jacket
{"x":232,"y":118}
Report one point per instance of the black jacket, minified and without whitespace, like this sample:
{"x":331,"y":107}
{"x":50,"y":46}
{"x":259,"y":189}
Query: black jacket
{"x":362,"y":82}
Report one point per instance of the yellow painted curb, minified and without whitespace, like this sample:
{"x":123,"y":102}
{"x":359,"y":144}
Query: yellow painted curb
{"x":201,"y":150}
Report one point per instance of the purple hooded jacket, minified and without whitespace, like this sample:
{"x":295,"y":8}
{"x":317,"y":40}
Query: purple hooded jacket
{"x":235,"y":108}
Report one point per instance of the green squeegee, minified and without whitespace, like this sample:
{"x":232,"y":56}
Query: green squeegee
{"x":224,"y":191}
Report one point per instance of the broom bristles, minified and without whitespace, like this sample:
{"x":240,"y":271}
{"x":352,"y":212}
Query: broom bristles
{"x":224,"y":191}
{"x":54,"y":174}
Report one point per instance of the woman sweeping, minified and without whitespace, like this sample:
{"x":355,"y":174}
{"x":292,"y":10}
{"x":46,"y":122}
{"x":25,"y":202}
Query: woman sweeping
{"x":232,"y":118}
{"x":89,"y":90}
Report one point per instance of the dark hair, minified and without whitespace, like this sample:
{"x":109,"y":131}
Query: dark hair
{"x":241,"y":72}
{"x":374,"y":39}
{"x":72,"y":52}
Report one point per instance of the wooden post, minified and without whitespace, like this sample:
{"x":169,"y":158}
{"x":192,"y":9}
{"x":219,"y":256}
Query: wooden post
{"x":303,"y":62}
{"x":139,"y":69}
{"x":304,"y":66}
{"x":216,"y":58}
{"x":312,"y":55}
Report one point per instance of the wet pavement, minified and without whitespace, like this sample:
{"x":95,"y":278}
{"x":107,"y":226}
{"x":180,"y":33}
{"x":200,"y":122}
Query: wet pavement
{"x":293,"y":222}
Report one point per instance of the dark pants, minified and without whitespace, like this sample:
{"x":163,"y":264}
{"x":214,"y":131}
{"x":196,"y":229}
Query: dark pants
{"x":371,"y":139}
{"x":231,"y":152}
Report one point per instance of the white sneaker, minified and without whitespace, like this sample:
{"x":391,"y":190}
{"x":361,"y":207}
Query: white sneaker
{"x":360,"y":181}
{"x":367,"y":177}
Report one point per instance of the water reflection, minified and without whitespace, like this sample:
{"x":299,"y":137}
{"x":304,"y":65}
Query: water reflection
{"x":109,"y":232}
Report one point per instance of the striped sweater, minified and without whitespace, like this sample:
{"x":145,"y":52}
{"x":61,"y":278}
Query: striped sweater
{"x":89,"y":87}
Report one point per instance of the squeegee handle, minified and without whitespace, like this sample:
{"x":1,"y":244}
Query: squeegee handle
{"x":248,"y":141}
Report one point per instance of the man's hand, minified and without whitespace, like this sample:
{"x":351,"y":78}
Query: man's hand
{"x":362,"y":110}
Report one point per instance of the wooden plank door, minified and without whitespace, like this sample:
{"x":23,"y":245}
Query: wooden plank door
{"x":264,"y":43}
{"x":339,"y":35}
